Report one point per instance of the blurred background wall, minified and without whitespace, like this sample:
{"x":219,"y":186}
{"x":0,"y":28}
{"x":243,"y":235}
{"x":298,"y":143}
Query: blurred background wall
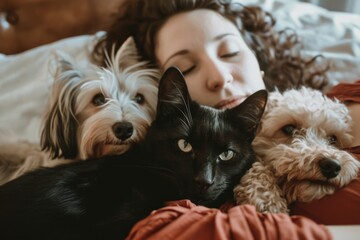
{"x":352,"y":6}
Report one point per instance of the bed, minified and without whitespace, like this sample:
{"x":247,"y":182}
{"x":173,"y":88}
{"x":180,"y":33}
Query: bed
{"x":27,"y":43}
{"x":32,"y":30}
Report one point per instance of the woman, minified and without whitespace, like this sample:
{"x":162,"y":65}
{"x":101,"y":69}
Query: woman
{"x":273,"y":50}
{"x":222,"y":48}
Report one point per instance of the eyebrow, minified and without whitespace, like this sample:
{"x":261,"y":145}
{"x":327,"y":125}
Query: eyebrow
{"x":179,"y":53}
{"x":223,"y":35}
{"x":185,"y":51}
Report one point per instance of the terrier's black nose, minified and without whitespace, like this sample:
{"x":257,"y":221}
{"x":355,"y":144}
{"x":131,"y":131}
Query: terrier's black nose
{"x":330,"y":168}
{"x":123,"y":130}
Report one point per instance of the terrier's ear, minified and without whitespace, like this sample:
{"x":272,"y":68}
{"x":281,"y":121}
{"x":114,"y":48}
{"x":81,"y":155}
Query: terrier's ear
{"x":126,"y":56}
{"x":64,"y":64}
{"x":173,"y":94}
{"x":58,"y":135}
{"x":249,"y":113}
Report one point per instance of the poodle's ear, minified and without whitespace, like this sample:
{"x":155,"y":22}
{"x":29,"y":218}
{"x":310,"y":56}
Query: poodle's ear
{"x":58,"y":134}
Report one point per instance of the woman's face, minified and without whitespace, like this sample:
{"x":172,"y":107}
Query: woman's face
{"x":219,"y":68}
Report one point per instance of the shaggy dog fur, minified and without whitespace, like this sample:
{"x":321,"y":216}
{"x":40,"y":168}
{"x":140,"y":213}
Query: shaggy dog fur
{"x":92,"y":112}
{"x":299,"y":156}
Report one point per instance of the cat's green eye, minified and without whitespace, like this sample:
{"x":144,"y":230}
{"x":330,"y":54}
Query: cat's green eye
{"x":184,"y":145}
{"x":227,"y":155}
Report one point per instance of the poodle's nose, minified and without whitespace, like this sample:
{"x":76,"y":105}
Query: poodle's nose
{"x":123,"y":130}
{"x":330,"y":168}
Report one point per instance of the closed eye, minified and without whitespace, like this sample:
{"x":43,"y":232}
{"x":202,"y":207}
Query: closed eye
{"x":188,"y":70}
{"x":229,"y":55}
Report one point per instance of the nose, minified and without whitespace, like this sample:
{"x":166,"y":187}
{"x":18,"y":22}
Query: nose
{"x":123,"y":130}
{"x":219,"y":74}
{"x":205,"y":178}
{"x":330,"y":168}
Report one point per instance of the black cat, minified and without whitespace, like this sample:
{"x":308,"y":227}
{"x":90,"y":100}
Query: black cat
{"x":209,"y":149}
{"x":191,"y":151}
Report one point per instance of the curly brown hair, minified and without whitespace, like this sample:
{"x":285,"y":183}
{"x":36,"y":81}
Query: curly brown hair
{"x":277,"y":51}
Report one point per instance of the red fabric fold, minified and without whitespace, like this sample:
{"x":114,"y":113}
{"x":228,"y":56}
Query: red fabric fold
{"x":184,"y":220}
{"x":346,"y":92}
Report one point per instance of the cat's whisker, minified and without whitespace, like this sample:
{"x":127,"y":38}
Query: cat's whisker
{"x":185,"y":115}
{"x":185,"y":124}
{"x":187,"y":107}
{"x":185,"y":102}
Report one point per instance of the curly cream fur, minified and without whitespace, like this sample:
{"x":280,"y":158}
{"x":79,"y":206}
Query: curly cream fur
{"x":287,"y":167}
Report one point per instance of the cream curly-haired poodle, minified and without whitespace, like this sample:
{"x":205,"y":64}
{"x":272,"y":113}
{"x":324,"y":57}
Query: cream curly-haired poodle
{"x":299,"y":156}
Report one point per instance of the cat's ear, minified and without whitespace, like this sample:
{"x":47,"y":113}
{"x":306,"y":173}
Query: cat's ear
{"x":173,"y":94}
{"x":249,"y":112}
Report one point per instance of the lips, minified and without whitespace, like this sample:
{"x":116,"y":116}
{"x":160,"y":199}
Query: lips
{"x":230,"y":103}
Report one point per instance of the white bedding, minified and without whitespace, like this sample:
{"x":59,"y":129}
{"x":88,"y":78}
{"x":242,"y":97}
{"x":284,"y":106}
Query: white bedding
{"x":25,"y":78}
{"x":25,"y":81}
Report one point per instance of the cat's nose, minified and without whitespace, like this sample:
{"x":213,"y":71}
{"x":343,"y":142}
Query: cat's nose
{"x":123,"y":130}
{"x":330,"y":168}
{"x":204,"y":181}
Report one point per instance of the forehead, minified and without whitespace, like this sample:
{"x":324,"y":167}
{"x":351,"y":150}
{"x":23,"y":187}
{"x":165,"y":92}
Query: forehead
{"x":188,"y":29}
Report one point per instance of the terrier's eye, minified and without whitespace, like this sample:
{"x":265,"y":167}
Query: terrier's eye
{"x":227,"y":155}
{"x":288,"y":129}
{"x":99,"y":99}
{"x":332,"y":139}
{"x":139,"y":98}
{"x":184,"y":145}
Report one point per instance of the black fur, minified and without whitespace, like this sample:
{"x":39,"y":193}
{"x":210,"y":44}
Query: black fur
{"x":103,"y":198}
{"x":93,"y":199}
{"x":205,"y":179}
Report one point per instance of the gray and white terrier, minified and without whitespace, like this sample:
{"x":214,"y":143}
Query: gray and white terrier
{"x":92,"y":112}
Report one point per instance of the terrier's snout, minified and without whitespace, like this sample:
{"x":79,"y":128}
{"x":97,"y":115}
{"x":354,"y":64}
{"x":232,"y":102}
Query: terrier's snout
{"x":330,"y":168}
{"x":123,"y":130}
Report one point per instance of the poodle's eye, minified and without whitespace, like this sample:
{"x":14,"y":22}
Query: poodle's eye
{"x":139,"y":98}
{"x":227,"y":155}
{"x":332,"y":139}
{"x":99,"y":99}
{"x":288,"y":129}
{"x":184,"y":145}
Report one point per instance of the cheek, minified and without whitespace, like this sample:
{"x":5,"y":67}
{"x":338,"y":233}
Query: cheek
{"x":249,"y":74}
{"x":195,"y":89}
{"x":255,"y":81}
